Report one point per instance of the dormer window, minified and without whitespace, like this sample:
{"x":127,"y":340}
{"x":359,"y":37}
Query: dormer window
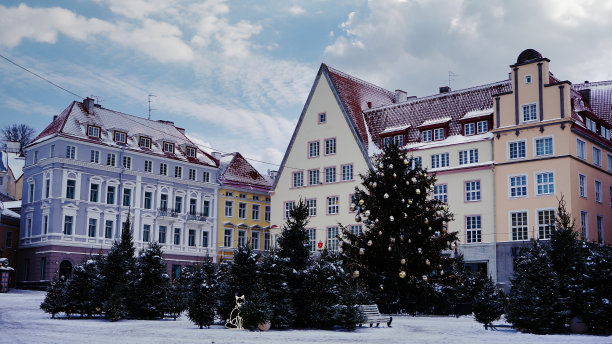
{"x":168,"y":147}
{"x":438,"y":134}
{"x":528,"y":79}
{"x":322,"y":117}
{"x":120,"y":136}
{"x":93,"y":131}
{"x":469,"y":129}
{"x":482,"y":127}
{"x":396,"y":139}
{"x":591,"y":124}
{"x":144,"y":142}
{"x":191,"y":152}
{"x":426,"y":136}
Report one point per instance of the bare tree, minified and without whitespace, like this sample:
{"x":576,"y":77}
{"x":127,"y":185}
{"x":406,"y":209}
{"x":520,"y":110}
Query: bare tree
{"x":22,"y":133}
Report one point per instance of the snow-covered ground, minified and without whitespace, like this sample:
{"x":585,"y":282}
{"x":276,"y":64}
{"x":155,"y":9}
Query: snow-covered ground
{"x":21,"y":321}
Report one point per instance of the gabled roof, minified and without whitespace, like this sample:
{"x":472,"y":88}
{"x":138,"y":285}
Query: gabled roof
{"x":436,"y":108}
{"x":13,"y":162}
{"x":601,"y":98}
{"x":73,"y":122}
{"x":236,"y":171}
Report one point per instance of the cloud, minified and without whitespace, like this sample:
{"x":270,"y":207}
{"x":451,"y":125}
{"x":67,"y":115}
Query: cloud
{"x":29,"y":108}
{"x":297,"y":10}
{"x":138,"y":9}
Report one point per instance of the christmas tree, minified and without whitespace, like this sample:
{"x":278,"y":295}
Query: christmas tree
{"x":489,"y":302}
{"x":55,"y":299}
{"x":204,"y":289}
{"x":400,"y":251}
{"x":82,"y":289}
{"x":149,"y":278}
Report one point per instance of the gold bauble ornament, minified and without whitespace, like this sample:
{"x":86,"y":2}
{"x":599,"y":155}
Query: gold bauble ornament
{"x":394,"y":175}
{"x":427,"y":262}
{"x":410,"y":201}
{"x":353,"y":206}
{"x":413,"y":179}
{"x":390,"y":165}
{"x":418,"y":191}
{"x":406,"y":162}
{"x":386,"y":195}
{"x":389,"y":249}
{"x":403,"y":261}
{"x":379,"y":232}
{"x":367,"y":213}
{"x":402,"y":274}
{"x":369,"y":242}
{"x":361,"y":202}
{"x":426,"y":220}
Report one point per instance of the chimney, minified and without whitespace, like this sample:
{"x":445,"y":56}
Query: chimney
{"x":216,"y":155}
{"x":400,"y":96}
{"x":54,"y":118}
{"x":181,"y":130}
{"x":369,"y":105}
{"x":445,"y":89}
{"x":89,"y":105}
{"x":272,"y":174}
{"x":586,"y":94}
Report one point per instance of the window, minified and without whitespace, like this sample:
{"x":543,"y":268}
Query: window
{"x":546,"y":223}
{"x":144,"y":142}
{"x":267,"y":241}
{"x":347,"y":172}
{"x":95,"y":157}
{"x":148,"y":198}
{"x":206,"y":208}
{"x":330,"y":146}
{"x":330,"y":175}
{"x":597,"y":156}
{"x":163,"y":202}
{"x":70,"y":188}
{"x":29,"y":228}
{"x":242,"y":238}
{"x":468,"y":156}
{"x":204,"y":239}
{"x":418,"y":162}
{"x":591,"y":124}
{"x":396,"y":139}
{"x":516,"y":150}
{"x":255,"y":212}
{"x":163,"y":169}
{"x":45,"y":226}
{"x":68,"y":225}
{"x":120,"y":136}
{"x":472,"y":191}
{"x":605,"y":132}
{"x":482,"y":127}
{"x":229,"y":209}
{"x":600,"y":238}
{"x":387,"y":140}
{"x":598,"y":196}
{"x":581,"y":149}
{"x":255,"y":240}
{"x":177,"y":236}
{"x":582,"y":185}
{"x":192,"y":174}
{"x":545,"y":183}
{"x":70,"y":152}
{"x":529,"y":112}
{"x":322,"y":117}
{"x":518,"y":225}
{"x":584,"y":225}
{"x":332,"y":205}
{"x":162,"y":234}
{"x":108,"y":229}
{"x":242,"y":196}
{"x":518,"y":186}
{"x":312,"y":207}
{"x":191,"y":152}
{"x":255,"y":198}
{"x":148,"y":166}
{"x":146,"y":233}
{"x":227,"y":237}
{"x":168,"y":147}
{"x":288,"y":208}
{"x":110,"y":159}
{"x":298,"y":179}
{"x":356,"y":229}
{"x":528,"y":79}
{"x":91,"y":232}
{"x":242,"y":210}
{"x":544,"y":146}
{"x":43,"y":268}
{"x":267,"y":213}
{"x":178,"y":172}
{"x":426,"y":136}
{"x":473,"y":229}
{"x":9,"y":239}
{"x":110,"y":195}
{"x":312,"y":239}
{"x":127,"y":197}
{"x":31,"y":193}
{"x":229,"y":194}
{"x":609,"y":162}
{"x":313,"y":149}
{"x":440,"y":193}
{"x":206,"y":177}
{"x":93,"y":131}
{"x":313,"y":177}
{"x":191,"y":239}
{"x":93,"y":193}
{"x":332,"y":240}
{"x":127,"y":162}
{"x":52,"y":151}
{"x":178,"y":204}
{"x":438,"y":134}
{"x":439,"y":160}
{"x":469,"y":129}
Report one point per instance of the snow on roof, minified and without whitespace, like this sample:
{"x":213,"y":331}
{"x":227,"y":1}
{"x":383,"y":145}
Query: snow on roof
{"x":13,"y":162}
{"x":451,"y":140}
{"x":237,"y":171}
{"x":435,"y":121}
{"x":75,"y":118}
{"x":395,"y":129}
{"x":478,"y":113}
{"x":5,"y":211}
{"x":601,"y":98}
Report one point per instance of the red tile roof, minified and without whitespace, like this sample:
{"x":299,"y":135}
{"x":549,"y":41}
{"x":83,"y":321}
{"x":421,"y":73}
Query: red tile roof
{"x":56,"y":126}
{"x":601,"y":98}
{"x":237,"y":171}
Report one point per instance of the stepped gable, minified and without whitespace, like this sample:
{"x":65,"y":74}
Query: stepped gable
{"x":355,"y":95}
{"x":237,"y":171}
{"x":414,"y":112}
{"x":601,"y":98}
{"x":74,"y":120}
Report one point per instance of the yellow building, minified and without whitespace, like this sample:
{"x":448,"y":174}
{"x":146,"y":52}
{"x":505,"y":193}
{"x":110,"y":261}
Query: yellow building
{"x":244,"y":206}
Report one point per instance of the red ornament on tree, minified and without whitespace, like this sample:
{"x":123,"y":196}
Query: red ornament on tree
{"x":320,"y":244}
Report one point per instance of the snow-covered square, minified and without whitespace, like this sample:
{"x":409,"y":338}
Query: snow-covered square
{"x":21,"y":321}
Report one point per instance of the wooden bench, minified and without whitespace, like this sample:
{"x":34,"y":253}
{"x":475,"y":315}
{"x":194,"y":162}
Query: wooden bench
{"x":373,"y":315}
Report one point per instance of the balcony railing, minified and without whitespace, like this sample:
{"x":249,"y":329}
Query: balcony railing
{"x":195,"y":216}
{"x":169,"y":212}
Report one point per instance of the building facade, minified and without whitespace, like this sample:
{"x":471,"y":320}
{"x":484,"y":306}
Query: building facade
{"x":93,"y":167}
{"x":11,"y":170}
{"x":9,"y":237}
{"x":244,"y":207}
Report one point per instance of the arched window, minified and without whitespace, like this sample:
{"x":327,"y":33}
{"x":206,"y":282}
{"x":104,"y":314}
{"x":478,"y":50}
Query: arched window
{"x":65,"y":269}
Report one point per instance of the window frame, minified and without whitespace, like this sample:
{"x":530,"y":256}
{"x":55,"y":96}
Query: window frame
{"x":533,"y":108}
{"x":544,"y":153}
{"x":476,"y":192}
{"x":551,"y":185}
{"x":322,"y":118}
{"x":311,"y":204}
{"x":544,"y":233}
{"x":426,"y":135}
{"x":311,"y":174}
{"x":91,"y":131}
{"x":330,"y":146}
{"x":166,"y":146}
{"x":523,"y":235}
{"x":331,"y":208}
{"x":120,"y":136}
{"x":344,"y":175}
{"x":314,"y":149}
{"x":144,"y":141}
{"x":473,"y":230}
{"x":470,"y":132}
{"x":297,"y":179}
{"x":581,"y":149}
{"x":519,"y":150}
{"x":519,"y":187}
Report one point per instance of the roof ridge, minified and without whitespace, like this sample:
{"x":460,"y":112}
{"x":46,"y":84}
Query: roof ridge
{"x":358,"y":80}
{"x":596,"y":83}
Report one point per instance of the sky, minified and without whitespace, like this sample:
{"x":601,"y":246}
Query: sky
{"x":236,"y":73}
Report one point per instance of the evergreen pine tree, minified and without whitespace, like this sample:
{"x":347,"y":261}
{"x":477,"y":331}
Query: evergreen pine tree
{"x":399,"y":253}
{"x":597,"y":295}
{"x":82,"y":288}
{"x":489,"y":303}
{"x":149,"y":278}
{"x":239,"y":279}
{"x":204,"y":289}
{"x":55,"y":299}
{"x":272,"y":274}
{"x":177,"y":298}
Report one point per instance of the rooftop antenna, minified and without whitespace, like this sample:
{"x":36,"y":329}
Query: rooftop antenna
{"x":150,"y":95}
{"x":97,"y":98}
{"x":451,"y":77}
